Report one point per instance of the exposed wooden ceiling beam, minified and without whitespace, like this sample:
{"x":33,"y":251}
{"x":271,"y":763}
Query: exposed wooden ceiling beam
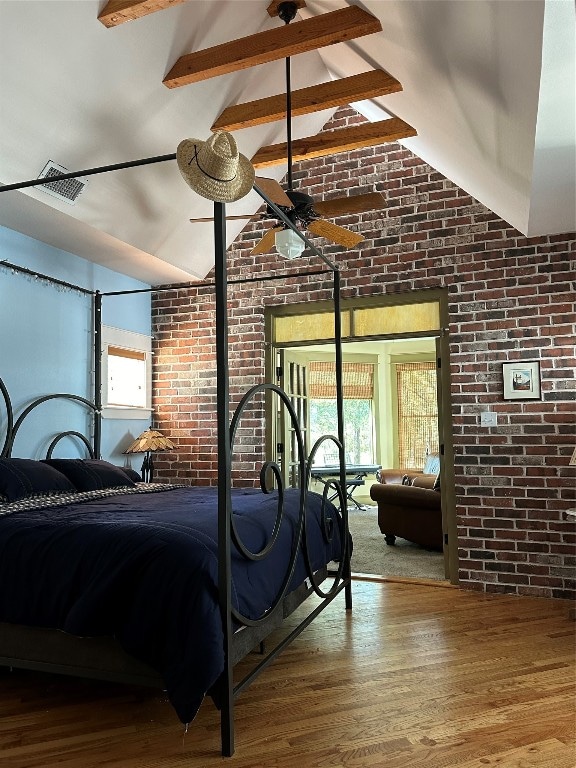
{"x":273,"y":7}
{"x":272,"y":44}
{"x":332,"y":142}
{"x":118,"y":11}
{"x":336,"y":93}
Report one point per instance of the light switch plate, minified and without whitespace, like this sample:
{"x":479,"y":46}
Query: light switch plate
{"x":488,"y":419}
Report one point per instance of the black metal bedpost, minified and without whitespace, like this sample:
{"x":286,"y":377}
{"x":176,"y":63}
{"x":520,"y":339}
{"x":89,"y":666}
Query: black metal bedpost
{"x":224,"y":475}
{"x":97,"y":372}
{"x":340,"y":418}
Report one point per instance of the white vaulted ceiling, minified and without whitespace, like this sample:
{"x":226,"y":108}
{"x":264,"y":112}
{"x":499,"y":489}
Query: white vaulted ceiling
{"x":489,"y":85}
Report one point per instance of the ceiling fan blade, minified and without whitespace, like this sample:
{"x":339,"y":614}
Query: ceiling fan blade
{"x":274,"y":191}
{"x":228,"y":218}
{"x":271,"y":188}
{"x":342,"y":206}
{"x":335,"y":233}
{"x":267,"y":243}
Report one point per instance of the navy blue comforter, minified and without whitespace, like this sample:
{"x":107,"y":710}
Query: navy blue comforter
{"x":143,"y":567}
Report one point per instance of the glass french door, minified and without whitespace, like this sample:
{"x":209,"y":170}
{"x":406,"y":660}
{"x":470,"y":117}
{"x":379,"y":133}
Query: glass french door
{"x":292,"y":377}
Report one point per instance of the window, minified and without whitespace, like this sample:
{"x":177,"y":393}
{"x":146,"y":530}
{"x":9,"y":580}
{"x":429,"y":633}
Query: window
{"x":357,"y":321}
{"x":358,"y":407}
{"x":126,"y":377}
{"x":126,"y":374}
{"x":417,"y":413}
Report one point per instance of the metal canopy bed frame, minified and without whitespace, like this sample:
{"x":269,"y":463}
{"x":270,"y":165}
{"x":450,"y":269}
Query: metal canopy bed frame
{"x":103,"y":658}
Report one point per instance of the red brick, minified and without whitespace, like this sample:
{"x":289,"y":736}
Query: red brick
{"x":509,"y":299}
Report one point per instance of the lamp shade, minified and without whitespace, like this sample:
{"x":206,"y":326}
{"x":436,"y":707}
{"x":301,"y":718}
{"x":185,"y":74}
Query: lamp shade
{"x":150,"y":441}
{"x":289,"y":244}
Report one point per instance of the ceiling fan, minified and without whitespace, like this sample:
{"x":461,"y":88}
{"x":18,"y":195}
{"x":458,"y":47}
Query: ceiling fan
{"x":300,"y":208}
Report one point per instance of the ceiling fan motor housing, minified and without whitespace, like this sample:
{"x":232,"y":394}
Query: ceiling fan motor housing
{"x":287,"y":11}
{"x":303,"y":205}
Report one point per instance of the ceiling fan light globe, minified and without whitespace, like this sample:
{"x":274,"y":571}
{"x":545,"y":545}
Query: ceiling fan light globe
{"x":289,"y":244}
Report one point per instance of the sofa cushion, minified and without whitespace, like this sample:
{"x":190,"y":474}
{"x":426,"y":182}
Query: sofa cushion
{"x":390,"y":475}
{"x":424,"y":481}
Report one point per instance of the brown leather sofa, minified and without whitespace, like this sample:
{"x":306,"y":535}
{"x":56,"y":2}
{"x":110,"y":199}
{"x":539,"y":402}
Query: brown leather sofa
{"x":411,"y":511}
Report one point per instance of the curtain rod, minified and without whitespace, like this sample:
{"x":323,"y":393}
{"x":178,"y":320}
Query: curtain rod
{"x":48,"y":279}
{"x":211,"y":284}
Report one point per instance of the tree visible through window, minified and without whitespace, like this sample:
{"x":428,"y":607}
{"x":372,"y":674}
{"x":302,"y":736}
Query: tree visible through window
{"x":358,"y":393}
{"x":417,"y":413}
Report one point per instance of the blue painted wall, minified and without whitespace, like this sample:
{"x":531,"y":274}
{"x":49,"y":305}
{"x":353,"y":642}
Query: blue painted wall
{"x":46,"y":342}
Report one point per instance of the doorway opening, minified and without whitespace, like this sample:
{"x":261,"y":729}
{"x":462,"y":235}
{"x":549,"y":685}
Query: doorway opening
{"x":394,"y":389}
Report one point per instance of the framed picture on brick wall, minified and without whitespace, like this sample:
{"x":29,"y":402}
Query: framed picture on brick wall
{"x":521,"y":380}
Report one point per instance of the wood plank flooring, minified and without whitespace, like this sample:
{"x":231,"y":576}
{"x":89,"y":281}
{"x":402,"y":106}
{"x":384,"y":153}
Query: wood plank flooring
{"x":416,"y":676}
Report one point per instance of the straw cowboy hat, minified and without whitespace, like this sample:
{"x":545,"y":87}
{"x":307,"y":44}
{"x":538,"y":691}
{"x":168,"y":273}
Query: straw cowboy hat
{"x":214,"y":168}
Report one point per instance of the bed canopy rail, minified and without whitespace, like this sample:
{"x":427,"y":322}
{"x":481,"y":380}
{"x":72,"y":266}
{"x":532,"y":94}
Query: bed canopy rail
{"x":227,"y":535}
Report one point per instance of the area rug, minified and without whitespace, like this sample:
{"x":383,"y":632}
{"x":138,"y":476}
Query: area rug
{"x":404,"y":559}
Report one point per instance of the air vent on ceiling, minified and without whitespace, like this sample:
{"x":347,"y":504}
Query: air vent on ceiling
{"x":67,"y":190}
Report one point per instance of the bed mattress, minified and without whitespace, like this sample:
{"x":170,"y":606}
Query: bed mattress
{"x":143,"y":567}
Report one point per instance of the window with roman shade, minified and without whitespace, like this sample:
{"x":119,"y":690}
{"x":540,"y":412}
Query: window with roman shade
{"x":358,"y":396}
{"x":417,"y":403}
{"x":357,"y":380}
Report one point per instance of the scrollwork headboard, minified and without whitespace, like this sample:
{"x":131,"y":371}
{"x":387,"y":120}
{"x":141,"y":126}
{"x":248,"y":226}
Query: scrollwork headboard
{"x":12,"y":426}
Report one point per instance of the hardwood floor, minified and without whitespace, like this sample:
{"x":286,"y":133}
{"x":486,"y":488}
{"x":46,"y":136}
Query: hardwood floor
{"x":416,"y":676}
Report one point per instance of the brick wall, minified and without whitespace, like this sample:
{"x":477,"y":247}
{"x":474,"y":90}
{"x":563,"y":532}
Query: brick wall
{"x":511,"y":298}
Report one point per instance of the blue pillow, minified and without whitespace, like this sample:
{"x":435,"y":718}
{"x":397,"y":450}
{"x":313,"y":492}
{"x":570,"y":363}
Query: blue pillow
{"x":432,"y":464}
{"x":91,"y":474}
{"x":20,"y":478}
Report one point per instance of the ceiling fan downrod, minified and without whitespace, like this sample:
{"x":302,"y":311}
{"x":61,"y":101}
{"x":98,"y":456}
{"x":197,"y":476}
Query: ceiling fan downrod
{"x":287,"y":12}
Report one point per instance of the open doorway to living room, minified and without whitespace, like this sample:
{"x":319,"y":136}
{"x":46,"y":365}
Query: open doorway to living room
{"x":390,"y":420}
{"x":393,"y":434}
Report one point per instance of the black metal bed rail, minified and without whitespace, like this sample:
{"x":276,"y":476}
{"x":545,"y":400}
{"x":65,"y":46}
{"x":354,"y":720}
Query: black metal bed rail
{"x":286,"y":641}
